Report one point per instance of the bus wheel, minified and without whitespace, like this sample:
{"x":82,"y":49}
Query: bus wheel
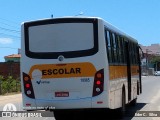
{"x":133,"y":102}
{"x":58,"y":115}
{"x":138,"y":91}
{"x":63,"y":115}
{"x":121,"y":111}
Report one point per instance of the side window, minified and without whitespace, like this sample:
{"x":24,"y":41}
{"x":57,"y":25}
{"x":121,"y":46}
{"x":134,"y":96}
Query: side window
{"x":118,"y":49}
{"x":114,"y":48}
{"x":123,"y":51}
{"x":135,"y":53}
{"x":114,"y":40}
{"x":131,"y":52}
{"x":108,"y":45}
{"x":108,"y":39}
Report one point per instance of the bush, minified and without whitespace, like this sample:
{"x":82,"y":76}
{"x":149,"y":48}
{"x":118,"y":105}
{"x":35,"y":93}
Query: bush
{"x":9,"y":85}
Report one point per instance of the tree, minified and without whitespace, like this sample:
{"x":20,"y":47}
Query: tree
{"x":155,"y":59}
{"x":1,"y":79}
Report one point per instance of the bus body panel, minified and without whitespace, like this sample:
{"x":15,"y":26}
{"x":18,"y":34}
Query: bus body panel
{"x":71,"y":90}
{"x":66,"y":80}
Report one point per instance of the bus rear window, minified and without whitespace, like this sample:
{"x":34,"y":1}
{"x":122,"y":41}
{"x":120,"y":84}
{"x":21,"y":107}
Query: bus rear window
{"x":62,"y":37}
{"x":70,"y":38}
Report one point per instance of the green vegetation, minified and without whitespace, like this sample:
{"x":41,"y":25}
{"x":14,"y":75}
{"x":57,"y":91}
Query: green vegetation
{"x":155,"y":59}
{"x":9,"y":85}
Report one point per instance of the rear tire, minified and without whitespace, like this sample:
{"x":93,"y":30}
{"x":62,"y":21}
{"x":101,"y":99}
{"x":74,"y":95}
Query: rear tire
{"x":138,"y":89}
{"x":58,"y":115}
{"x":133,"y":102}
{"x":121,"y":111}
{"x":62,"y":115}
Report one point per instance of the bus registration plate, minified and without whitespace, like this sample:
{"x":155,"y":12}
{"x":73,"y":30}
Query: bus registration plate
{"x":61,"y":94}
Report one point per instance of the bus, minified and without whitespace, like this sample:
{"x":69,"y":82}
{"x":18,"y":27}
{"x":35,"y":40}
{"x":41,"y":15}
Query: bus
{"x":78,"y":63}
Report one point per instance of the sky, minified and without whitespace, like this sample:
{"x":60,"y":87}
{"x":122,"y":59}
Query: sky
{"x":138,"y":18}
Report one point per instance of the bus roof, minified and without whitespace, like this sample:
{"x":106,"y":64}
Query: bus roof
{"x":106,"y":23}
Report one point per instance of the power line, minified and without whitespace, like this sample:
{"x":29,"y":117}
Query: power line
{"x":8,"y":48}
{"x":13,"y":26}
{"x":10,"y":35}
{"x":8,"y":20}
{"x":10,"y":30}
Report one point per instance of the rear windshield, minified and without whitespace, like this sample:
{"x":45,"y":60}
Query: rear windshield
{"x":66,"y":37}
{"x":62,"y":37}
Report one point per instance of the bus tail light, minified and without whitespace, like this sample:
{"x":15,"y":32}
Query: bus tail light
{"x":28,"y":88}
{"x":27,"y":85}
{"x":98,"y":83}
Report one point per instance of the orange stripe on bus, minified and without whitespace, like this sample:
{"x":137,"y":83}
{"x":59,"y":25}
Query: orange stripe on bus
{"x":116,"y":72}
{"x":66,"y":70}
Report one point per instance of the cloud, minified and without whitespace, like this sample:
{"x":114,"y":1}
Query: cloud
{"x":6,"y":41}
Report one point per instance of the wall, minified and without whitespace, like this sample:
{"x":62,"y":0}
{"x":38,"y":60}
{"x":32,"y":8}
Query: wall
{"x":10,"y":68}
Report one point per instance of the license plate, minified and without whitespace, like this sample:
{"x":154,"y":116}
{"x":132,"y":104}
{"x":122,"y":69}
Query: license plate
{"x":61,"y":94}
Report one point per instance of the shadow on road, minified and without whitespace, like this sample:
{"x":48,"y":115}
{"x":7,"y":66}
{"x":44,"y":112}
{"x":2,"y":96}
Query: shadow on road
{"x":131,"y":110}
{"x":108,"y":114}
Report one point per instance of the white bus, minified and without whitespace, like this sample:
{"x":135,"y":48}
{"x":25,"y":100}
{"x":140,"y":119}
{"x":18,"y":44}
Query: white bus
{"x":75,"y":63}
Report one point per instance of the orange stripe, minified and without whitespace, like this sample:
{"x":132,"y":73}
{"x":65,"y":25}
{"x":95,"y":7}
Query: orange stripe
{"x":116,"y":72}
{"x":65,"y":70}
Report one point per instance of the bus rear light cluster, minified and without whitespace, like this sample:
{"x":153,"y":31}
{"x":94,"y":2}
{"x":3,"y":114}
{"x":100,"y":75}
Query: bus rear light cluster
{"x":28,"y":88}
{"x":98,"y":83}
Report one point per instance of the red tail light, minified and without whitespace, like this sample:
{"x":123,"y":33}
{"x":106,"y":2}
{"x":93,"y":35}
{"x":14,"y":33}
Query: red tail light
{"x":28,"y":88}
{"x":98,"y":83}
{"x":28,"y":85}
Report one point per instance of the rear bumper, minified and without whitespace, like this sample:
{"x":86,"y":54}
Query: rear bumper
{"x":65,"y":104}
{"x":99,"y":101}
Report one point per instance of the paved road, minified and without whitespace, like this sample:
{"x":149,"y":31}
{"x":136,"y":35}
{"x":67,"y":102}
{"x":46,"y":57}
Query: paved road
{"x":149,"y":100}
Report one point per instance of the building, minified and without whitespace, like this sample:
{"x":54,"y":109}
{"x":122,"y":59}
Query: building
{"x":149,"y":52}
{"x":10,"y":69}
{"x":11,"y":66}
{"x":153,"y":49}
{"x":13,"y":58}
